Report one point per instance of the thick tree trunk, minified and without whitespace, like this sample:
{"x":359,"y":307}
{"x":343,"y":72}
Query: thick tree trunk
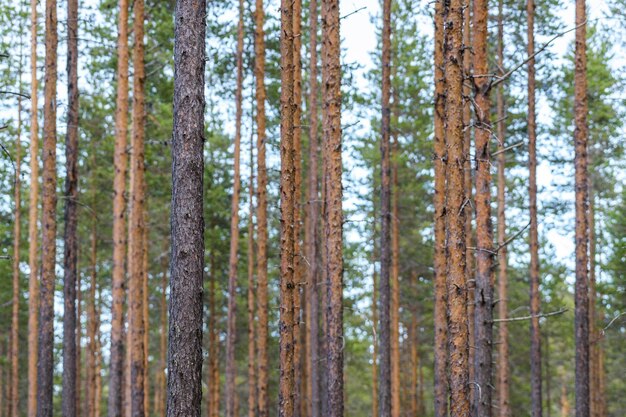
{"x":504,"y":407}
{"x":49,"y":226}
{"x":259,"y":75}
{"x":184,"y":385}
{"x":136,"y":242}
{"x":483,"y":295}
{"x":231,"y":366}
{"x":535,"y":332}
{"x":312,"y":229}
{"x":33,"y":234}
{"x":456,"y":280}
{"x":287,"y":210}
{"x":581,"y":316}
{"x":17,"y":195}
{"x":71,"y":217}
{"x":119,"y":218}
{"x":333,"y":216}
{"x":385,"y":389}
{"x":440,"y":155}
{"x":251,"y":313}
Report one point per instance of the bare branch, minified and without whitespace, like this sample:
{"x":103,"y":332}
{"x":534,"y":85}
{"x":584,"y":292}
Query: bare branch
{"x":554,"y":313}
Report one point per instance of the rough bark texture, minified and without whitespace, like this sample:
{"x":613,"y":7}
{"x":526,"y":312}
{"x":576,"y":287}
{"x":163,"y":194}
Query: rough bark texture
{"x":287,"y":211}
{"x":384,"y":386}
{"x":231,"y":366}
{"x":312,"y":229}
{"x":17,"y":195}
{"x":33,"y":235}
{"x":483,"y":295}
{"x":259,"y":75}
{"x":184,"y":385}
{"x":456,"y":280}
{"x":119,"y":217}
{"x":251,"y":289}
{"x":297,"y":156}
{"x":71,"y":217}
{"x":581,"y":315}
{"x":535,"y":333}
{"x":439,"y":159}
{"x":136,"y":231}
{"x":48,"y":221}
{"x":504,"y":407}
{"x":333,"y":216}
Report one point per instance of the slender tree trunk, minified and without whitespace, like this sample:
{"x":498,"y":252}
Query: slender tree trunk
{"x":483,"y":295}
{"x":456,"y":280}
{"x":136,"y":243}
{"x":98,"y":369}
{"x":470,"y":253}
{"x":596,"y":393}
{"x":184,"y":386}
{"x":159,"y":393}
{"x":92,"y":329}
{"x":395,"y":280}
{"x":581,"y":320}
{"x":33,"y":234}
{"x":286,"y":394}
{"x":17,"y":195}
{"x":535,"y":332}
{"x":71,"y":217}
{"x":333,"y":215}
{"x":565,"y":406}
{"x":374,"y":327}
{"x":259,"y":75}
{"x":312,"y":229}
{"x":414,"y":360}
{"x":251,"y":313}
{"x":385,"y":385}
{"x":439,"y":147}
{"x":297,"y":149}
{"x":119,"y":218}
{"x":214,"y":382}
{"x":231,"y":366}
{"x":49,"y":226}
{"x":602,"y":406}
{"x":78,"y":341}
{"x":504,"y":407}
{"x":146,"y":301}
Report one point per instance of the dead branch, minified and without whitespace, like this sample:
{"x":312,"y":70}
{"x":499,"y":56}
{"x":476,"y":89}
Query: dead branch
{"x":554,"y":313}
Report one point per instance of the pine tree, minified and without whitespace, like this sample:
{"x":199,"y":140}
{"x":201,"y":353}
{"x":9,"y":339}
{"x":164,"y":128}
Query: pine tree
{"x":184,"y":387}
{"x":119,"y":217}
{"x":71,"y":217}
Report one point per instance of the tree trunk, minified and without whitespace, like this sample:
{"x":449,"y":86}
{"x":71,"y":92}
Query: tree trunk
{"x":312,"y":229}
{"x":565,"y":407}
{"x":231,"y":366}
{"x":214,"y":381}
{"x":581,"y":316}
{"x":456,"y":282}
{"x":49,"y":226}
{"x":374,"y":327}
{"x":535,"y":332}
{"x":136,"y":243}
{"x":146,"y":301}
{"x":395,"y":281}
{"x":92,"y":330}
{"x":439,"y":257}
{"x":259,"y":75}
{"x":297,"y":149}
{"x":251,"y":318}
{"x":159,"y":392}
{"x":184,"y":385}
{"x":384,"y":386}
{"x":71,"y":217}
{"x":483,"y":295}
{"x":78,"y":340}
{"x":287,"y":210}
{"x":17,"y":193}
{"x":119,"y":217}
{"x":504,"y":407}
{"x":333,"y":215}
{"x":414,"y":361}
{"x":33,"y":234}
